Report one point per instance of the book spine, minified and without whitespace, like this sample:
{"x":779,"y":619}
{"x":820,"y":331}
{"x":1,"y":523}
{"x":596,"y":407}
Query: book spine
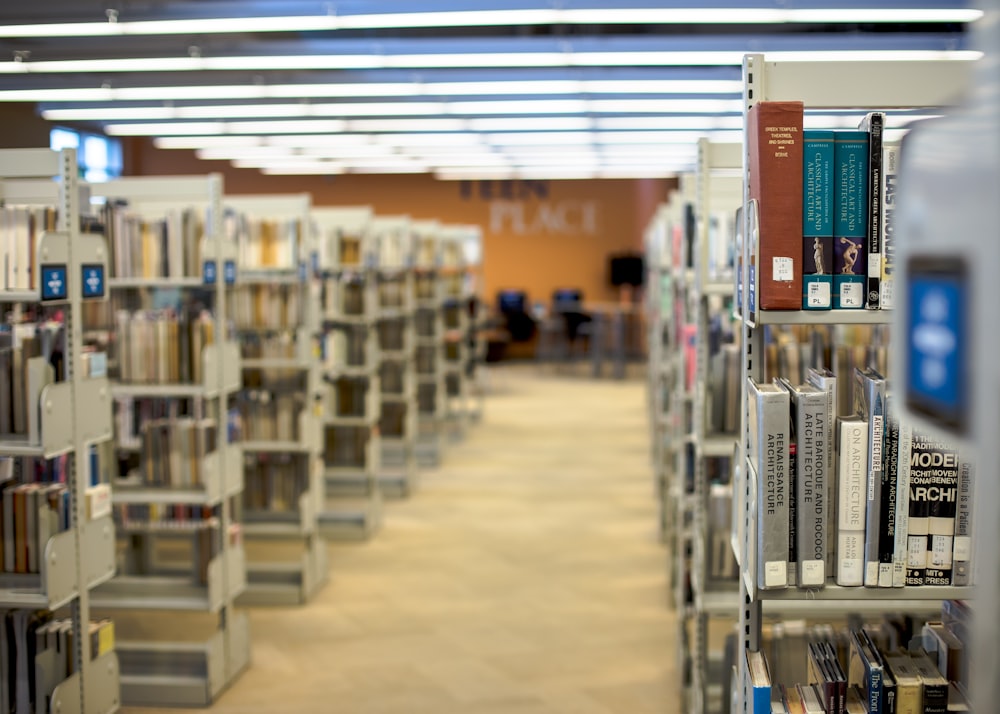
{"x":962,"y":559}
{"x":888,"y":507}
{"x":890,"y":175}
{"x":874,"y":121}
{"x":873,"y":516}
{"x":849,"y":226}
{"x":905,"y":442}
{"x":921,"y":453}
{"x":811,"y":487}
{"x":817,"y":220}
{"x":772,"y":409}
{"x":853,"y":452}
{"x":943,"y":470}
{"x":775,"y":156}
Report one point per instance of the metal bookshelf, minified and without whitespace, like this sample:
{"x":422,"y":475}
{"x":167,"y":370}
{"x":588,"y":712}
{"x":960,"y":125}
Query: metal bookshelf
{"x":718,"y":192}
{"x":74,"y":415}
{"x":836,"y":85}
{"x":429,"y":297}
{"x":283,"y":480}
{"x":182,"y":642}
{"x":351,"y":443}
{"x":398,"y":473}
{"x":455,"y":316}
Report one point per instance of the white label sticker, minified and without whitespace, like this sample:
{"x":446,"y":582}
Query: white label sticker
{"x":885,"y":302}
{"x":874,"y":266}
{"x":852,"y":295}
{"x":783,"y":269}
{"x":963,"y":548}
{"x":871,"y":573}
{"x":940,"y":555}
{"x":916,"y":552}
{"x":813,"y":573}
{"x":818,"y":295}
{"x":775,"y":574}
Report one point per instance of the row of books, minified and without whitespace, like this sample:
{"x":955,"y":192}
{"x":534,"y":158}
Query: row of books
{"x":271,"y":484}
{"x":346,"y":446}
{"x":264,"y":243}
{"x":266,"y":307}
{"x":269,"y":416}
{"x":280,"y":346}
{"x":349,"y":397}
{"x":162,"y":346}
{"x":392,"y":377}
{"x":392,"y":335}
{"x":32,"y":513}
{"x":31,"y":357}
{"x":173,"y":451}
{"x":140,"y":517}
{"x":392,"y":294}
{"x":426,"y":359}
{"x":392,"y":421}
{"x":166,"y":248}
{"x":20,"y":231}
{"x":824,"y":203}
{"x":896,"y":665}
{"x":345,"y":297}
{"x":427,"y":398}
{"x":26,"y":634}
{"x":864,"y":498}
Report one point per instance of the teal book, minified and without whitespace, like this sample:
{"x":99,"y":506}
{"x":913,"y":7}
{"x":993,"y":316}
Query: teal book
{"x":817,"y":220}
{"x":850,"y":224}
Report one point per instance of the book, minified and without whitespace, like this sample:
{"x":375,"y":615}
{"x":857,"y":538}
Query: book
{"x":768,"y":452}
{"x":946,"y":650}
{"x":760,"y":682}
{"x":963,"y":543}
{"x":865,"y":671}
{"x":817,"y":220}
{"x":873,"y":123}
{"x":827,"y":381}
{"x":903,"y":448}
{"x":890,"y":176}
{"x":870,"y":405}
{"x":812,"y":701}
{"x":852,"y":450}
{"x":909,"y":688}
{"x":934,"y":685}
{"x":774,"y":138}
{"x":809,"y":432}
{"x":934,"y":467}
{"x":888,"y":505}
{"x":850,"y":190}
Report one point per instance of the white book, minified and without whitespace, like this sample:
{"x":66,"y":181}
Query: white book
{"x":852,"y":451}
{"x":902,"y":504}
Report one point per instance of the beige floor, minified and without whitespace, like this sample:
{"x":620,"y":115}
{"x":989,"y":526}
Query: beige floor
{"x":524,"y":577}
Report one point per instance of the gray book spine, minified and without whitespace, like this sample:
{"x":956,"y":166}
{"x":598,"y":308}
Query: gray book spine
{"x":871,"y":392}
{"x":825,"y":380}
{"x":770,"y":437}
{"x":962,"y":561}
{"x":812,"y":477}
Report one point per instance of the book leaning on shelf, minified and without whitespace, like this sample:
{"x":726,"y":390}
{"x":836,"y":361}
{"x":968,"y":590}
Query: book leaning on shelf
{"x":38,"y":652}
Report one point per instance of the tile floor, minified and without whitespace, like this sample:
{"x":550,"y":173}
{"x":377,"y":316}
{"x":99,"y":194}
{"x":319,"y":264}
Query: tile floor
{"x":524,"y":577}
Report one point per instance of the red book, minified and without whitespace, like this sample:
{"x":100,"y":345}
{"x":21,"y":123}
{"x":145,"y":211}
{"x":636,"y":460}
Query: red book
{"x":774,"y":143}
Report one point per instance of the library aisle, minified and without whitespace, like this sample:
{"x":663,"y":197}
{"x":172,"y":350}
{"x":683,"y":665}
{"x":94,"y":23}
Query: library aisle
{"x":524,"y":577}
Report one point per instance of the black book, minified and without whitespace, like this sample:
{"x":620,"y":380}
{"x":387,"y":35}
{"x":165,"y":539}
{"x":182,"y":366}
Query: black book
{"x":873,"y":124}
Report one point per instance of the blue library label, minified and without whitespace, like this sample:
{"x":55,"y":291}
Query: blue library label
{"x":936,"y":339}
{"x":229,"y":272}
{"x":208,"y":272}
{"x":93,"y":281}
{"x":54,"y":282}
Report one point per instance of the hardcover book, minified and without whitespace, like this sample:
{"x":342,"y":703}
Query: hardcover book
{"x":890,"y":175}
{"x":769,"y":440}
{"x":933,"y":487}
{"x":817,"y":220}
{"x":852,"y":449}
{"x":850,"y":191}
{"x":873,"y":124}
{"x":774,"y":137}
{"x":962,"y":558}
{"x":870,"y":405}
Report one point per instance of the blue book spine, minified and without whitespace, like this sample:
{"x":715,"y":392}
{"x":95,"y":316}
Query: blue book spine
{"x":850,"y":225}
{"x":761,"y":699}
{"x":817,"y":220}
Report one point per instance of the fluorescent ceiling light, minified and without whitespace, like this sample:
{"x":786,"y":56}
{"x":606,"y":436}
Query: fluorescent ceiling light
{"x":567,"y":123}
{"x":318,"y":169}
{"x":373,"y":89}
{"x":463,"y":60}
{"x":527,"y":106}
{"x":394,"y":125}
{"x":490,"y":18}
{"x":240,"y":127}
{"x":692,"y":123}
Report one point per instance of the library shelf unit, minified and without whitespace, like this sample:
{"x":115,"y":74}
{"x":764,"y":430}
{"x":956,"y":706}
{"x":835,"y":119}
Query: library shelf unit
{"x":68,"y":269}
{"x":717,"y":194}
{"x":275,"y":309}
{"x":174,"y":368}
{"x":429,"y":299}
{"x":352,"y":507}
{"x":858,"y":86}
{"x":398,"y":474}
{"x":456,"y":320}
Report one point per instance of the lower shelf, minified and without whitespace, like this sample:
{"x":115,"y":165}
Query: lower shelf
{"x":286,"y":583}
{"x":183,"y":674}
{"x":357,"y":520}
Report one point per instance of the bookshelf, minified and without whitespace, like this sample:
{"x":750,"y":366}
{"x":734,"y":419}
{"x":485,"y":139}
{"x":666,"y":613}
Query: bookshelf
{"x":855,"y":86}
{"x":348,"y":258}
{"x":275,"y":305}
{"x":398,"y":473}
{"x":717,"y":193}
{"x":429,"y":299}
{"x":175,"y":367}
{"x":454,"y":273}
{"x":63,"y":268}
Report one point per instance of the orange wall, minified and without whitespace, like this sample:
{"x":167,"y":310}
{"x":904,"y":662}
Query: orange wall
{"x":531,"y":242}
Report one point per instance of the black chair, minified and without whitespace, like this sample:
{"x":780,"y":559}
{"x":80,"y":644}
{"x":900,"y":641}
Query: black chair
{"x":512,"y":306}
{"x":567,"y":303}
